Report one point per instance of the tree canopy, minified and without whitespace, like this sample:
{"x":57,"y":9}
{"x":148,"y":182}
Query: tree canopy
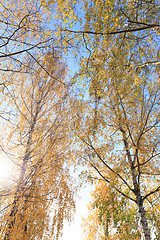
{"x":102,"y":115}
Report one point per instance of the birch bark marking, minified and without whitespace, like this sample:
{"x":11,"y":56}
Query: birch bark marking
{"x":137,"y":193}
{"x":143,"y":218}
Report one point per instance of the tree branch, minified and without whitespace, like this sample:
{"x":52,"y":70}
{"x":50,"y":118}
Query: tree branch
{"x":154,"y":191}
{"x":149,"y":26}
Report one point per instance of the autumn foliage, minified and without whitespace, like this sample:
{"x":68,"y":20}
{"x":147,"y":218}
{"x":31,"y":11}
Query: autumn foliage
{"x":102,"y":116}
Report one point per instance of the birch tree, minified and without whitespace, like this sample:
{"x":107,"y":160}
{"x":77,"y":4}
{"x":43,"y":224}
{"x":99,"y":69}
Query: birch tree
{"x":42,"y":195}
{"x":121,"y":134}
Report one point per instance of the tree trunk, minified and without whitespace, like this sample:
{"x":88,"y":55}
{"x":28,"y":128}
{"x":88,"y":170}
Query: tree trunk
{"x":20,"y":187}
{"x":144,"y":221}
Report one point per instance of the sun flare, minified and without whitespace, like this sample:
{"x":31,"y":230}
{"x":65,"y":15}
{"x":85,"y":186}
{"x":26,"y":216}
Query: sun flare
{"x":5,"y":170}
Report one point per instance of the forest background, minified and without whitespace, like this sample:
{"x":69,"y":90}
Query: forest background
{"x":80,"y":92}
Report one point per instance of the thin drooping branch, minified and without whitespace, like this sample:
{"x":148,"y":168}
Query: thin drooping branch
{"x":105,"y":164}
{"x":108,"y":181}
